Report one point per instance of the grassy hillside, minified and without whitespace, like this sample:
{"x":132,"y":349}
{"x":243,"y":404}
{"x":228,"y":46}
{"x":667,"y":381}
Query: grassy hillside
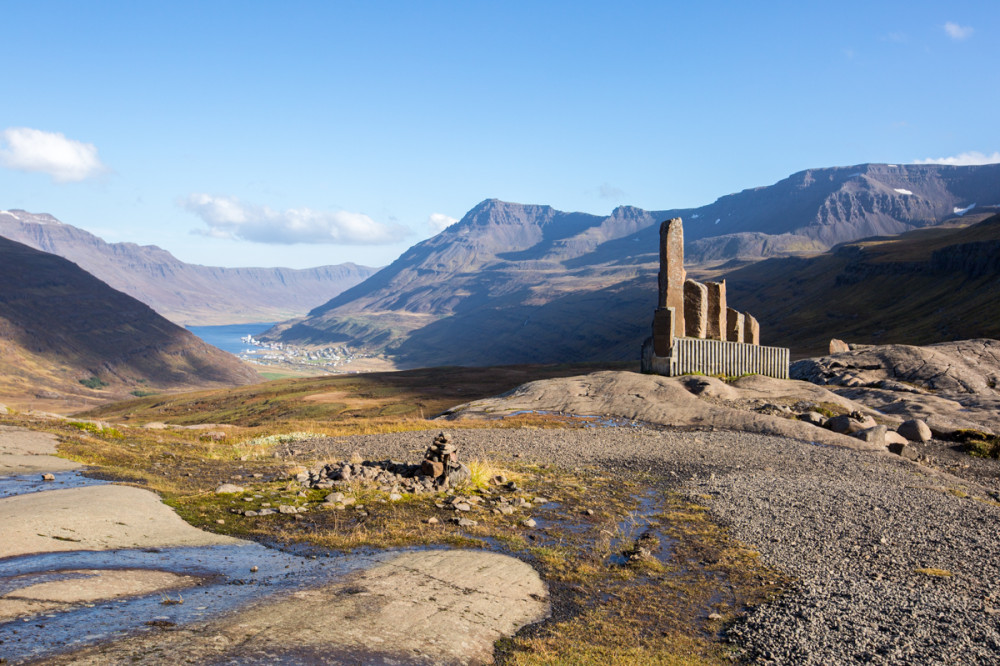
{"x":343,"y":401}
{"x":925,"y":286}
{"x":65,"y":335}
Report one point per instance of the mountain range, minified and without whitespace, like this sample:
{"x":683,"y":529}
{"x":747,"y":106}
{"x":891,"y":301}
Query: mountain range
{"x":65,"y":335}
{"x":525,"y":283}
{"x":185,"y":293}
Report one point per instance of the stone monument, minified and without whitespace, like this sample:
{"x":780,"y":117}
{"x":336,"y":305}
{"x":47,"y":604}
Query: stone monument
{"x":695,"y":330}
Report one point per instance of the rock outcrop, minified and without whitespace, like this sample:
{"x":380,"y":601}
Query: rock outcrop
{"x":950,"y":385}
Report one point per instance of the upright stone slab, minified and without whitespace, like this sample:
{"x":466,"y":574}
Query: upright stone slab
{"x":716,"y":329}
{"x":695,"y":309}
{"x":734,"y":325}
{"x":663,"y":331}
{"x":672,"y":271}
{"x":751,"y":330}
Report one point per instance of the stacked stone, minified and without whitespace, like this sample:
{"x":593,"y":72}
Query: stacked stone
{"x":439,"y":459}
{"x":439,"y":468}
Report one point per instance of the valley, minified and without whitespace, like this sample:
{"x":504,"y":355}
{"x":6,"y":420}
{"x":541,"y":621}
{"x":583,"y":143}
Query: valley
{"x":201,"y":500}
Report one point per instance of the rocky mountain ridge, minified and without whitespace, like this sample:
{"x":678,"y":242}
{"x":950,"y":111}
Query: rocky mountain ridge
{"x":185,"y":293}
{"x":520,"y":283}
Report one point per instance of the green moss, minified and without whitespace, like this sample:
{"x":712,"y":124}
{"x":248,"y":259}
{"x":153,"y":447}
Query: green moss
{"x":979,"y":444}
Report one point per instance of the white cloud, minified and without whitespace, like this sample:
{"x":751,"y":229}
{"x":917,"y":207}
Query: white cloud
{"x":958,"y":32}
{"x":438,"y":222}
{"x":65,"y":160}
{"x":228,"y":217}
{"x":970,"y":158}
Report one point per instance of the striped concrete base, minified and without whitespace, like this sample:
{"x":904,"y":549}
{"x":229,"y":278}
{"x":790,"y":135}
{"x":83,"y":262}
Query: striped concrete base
{"x":715,"y":357}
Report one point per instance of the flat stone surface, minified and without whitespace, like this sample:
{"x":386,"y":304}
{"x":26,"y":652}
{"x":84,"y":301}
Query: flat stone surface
{"x":86,"y":585}
{"x":94,"y":518}
{"x":428,"y":607}
{"x":24,"y":451}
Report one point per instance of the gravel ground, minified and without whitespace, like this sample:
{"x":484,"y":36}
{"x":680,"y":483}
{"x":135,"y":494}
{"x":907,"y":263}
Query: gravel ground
{"x":853,"y":527}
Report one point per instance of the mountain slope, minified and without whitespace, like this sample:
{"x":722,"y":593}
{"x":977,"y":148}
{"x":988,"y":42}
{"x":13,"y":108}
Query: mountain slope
{"x":185,"y":293}
{"x":60,"y":325}
{"x":925,"y":286}
{"x":518,"y":283}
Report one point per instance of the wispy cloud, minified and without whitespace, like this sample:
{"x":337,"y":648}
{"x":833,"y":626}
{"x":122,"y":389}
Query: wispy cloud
{"x":228,"y":217}
{"x":971,"y":158}
{"x":64,"y":160}
{"x":608,"y":191}
{"x":438,"y":222}
{"x":958,"y":32}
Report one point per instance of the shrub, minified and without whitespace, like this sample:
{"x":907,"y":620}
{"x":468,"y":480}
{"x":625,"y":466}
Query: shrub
{"x":94,"y":382}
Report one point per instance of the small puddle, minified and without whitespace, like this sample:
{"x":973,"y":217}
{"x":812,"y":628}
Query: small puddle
{"x":33,"y":483}
{"x":228,"y":583}
{"x":641,"y":522}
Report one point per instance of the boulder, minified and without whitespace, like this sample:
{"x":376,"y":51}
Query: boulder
{"x":228,"y":489}
{"x":874,"y":435}
{"x":815,"y":418}
{"x":904,"y":451}
{"x":915,"y":430}
{"x":848,"y":425}
{"x":838,"y":346}
{"x":892,"y":437}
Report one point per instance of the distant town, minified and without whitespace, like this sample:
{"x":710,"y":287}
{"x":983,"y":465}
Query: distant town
{"x":334,"y":359}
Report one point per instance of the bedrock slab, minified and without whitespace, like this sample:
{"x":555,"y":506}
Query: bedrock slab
{"x":94,"y":518}
{"x":426,"y":607}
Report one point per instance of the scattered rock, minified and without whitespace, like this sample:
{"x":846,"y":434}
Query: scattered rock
{"x":914,"y":430}
{"x":848,"y":424}
{"x":874,"y":435}
{"x":432,"y":521}
{"x":228,"y":489}
{"x":48,"y":477}
{"x":286,"y":509}
{"x":529,"y":522}
{"x":815,"y":418}
{"x":904,"y":451}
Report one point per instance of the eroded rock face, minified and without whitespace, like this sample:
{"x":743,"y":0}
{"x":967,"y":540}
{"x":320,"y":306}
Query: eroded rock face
{"x":950,"y":385}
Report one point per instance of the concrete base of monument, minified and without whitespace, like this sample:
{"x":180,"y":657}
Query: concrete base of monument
{"x":715,"y":357}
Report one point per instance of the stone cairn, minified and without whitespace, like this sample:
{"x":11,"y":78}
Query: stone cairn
{"x":439,"y":470}
{"x":441,"y":461}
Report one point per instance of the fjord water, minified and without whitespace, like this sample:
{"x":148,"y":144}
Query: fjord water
{"x":227,"y":337}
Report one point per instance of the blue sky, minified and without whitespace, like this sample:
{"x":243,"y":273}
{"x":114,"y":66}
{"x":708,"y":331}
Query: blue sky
{"x":307,"y":133}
